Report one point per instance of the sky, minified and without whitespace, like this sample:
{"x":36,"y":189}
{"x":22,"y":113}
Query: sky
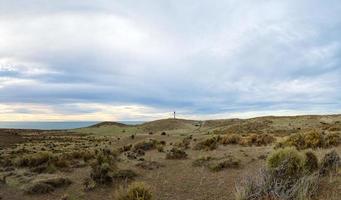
{"x":86,"y":60}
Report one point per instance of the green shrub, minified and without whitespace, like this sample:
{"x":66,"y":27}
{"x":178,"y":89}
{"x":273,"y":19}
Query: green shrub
{"x":287,"y":162}
{"x":136,"y":191}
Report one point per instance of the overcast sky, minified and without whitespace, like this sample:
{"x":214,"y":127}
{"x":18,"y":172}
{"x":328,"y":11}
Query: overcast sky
{"x":140,"y":60}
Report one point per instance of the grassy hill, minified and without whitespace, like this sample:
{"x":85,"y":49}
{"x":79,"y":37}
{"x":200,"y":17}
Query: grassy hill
{"x":267,"y":124}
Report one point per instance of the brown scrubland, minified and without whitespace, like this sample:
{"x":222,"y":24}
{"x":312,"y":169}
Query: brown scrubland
{"x":265,"y":158}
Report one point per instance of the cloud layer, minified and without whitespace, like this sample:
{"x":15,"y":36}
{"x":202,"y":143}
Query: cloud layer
{"x":123,"y":60}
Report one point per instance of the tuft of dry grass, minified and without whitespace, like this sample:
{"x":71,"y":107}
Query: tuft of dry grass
{"x":135,"y":191}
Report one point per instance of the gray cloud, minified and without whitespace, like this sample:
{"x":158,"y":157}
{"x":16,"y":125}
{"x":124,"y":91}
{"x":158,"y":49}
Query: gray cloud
{"x":198,"y":57}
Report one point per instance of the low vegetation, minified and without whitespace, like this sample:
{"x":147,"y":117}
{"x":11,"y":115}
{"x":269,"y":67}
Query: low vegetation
{"x":312,"y":139}
{"x":135,"y":191}
{"x":176,"y":153}
{"x":288,"y":175}
{"x":204,"y":158}
{"x":42,"y":186}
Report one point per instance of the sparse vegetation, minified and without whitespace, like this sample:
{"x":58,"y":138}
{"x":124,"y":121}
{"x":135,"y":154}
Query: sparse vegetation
{"x":176,"y":153}
{"x":105,"y":156}
{"x":136,"y":191}
{"x":208,"y":144}
{"x":284,"y":178}
{"x":224,"y":164}
{"x":312,"y":139}
{"x":330,"y":163}
{"x":46,"y":185}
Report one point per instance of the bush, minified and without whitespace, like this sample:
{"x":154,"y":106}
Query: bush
{"x":146,"y":145}
{"x":125,"y":174}
{"x":224,"y":164}
{"x":296,"y":140}
{"x":231,"y":139}
{"x":267,"y":186}
{"x":257,"y":139}
{"x":149,"y":165}
{"x":136,"y":191}
{"x":286,"y":162}
{"x":34,"y":160}
{"x":310,"y":163}
{"x":203,"y":161}
{"x":313,"y":139}
{"x":208,"y":144}
{"x":102,"y":173}
{"x":176,"y":153}
{"x":46,"y":185}
{"x":330,"y":163}
{"x":184,"y":144}
{"x":104,"y":166}
{"x":332,"y":139}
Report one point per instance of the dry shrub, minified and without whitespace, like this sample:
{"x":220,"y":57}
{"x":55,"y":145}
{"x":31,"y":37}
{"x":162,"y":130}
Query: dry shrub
{"x":149,"y":165}
{"x":332,"y":139}
{"x":312,"y":139}
{"x":268,"y":186}
{"x":34,"y":160}
{"x":283,"y":179}
{"x":224,"y":164}
{"x":104,"y":166}
{"x":257,"y":139}
{"x":311,"y":163}
{"x":146,"y":145}
{"x":136,"y":191}
{"x":330,"y":163}
{"x":202,"y":161}
{"x":208,"y":144}
{"x":125,"y":148}
{"x":176,"y":153}
{"x":125,"y":174}
{"x":231,"y":139}
{"x":46,"y":185}
{"x":184,"y":144}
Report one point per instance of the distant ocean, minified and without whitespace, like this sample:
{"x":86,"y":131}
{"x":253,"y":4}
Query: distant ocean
{"x":56,"y":125}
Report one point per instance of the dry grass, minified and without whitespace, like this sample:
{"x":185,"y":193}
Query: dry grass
{"x":135,"y":191}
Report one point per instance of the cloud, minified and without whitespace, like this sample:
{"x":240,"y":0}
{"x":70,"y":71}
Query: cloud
{"x":204,"y":59}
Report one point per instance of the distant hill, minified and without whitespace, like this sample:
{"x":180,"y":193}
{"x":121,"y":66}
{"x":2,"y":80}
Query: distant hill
{"x":107,"y":123}
{"x":267,"y":124}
